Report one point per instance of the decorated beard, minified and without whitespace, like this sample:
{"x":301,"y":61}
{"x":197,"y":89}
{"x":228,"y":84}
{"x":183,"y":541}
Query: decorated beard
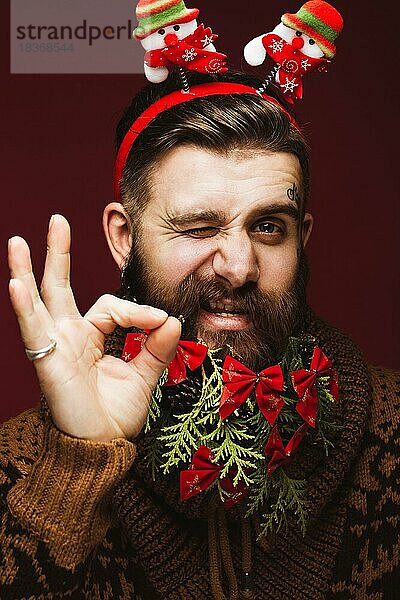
{"x":233,"y":408}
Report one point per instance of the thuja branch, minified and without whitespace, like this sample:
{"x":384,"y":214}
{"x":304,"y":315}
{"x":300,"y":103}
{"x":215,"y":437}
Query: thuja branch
{"x":211,"y":393}
{"x":180,"y":439}
{"x":184,"y":437}
{"x":290,"y":497}
{"x":155,"y":411}
{"x":261,"y":490}
{"x":231,"y":449}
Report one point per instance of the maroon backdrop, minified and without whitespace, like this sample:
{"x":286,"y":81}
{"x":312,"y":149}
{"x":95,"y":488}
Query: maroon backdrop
{"x":57,"y":156}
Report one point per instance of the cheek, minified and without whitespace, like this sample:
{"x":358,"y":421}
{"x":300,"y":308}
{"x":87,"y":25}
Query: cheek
{"x":278,"y":270}
{"x":173,"y":260}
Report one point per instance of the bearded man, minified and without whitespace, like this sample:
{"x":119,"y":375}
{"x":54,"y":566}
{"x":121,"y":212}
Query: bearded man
{"x":211,"y":226}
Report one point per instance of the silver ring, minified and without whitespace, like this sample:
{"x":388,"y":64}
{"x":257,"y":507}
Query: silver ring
{"x":42,"y":352}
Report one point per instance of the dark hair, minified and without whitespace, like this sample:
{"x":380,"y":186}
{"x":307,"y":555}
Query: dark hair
{"x":220,"y":123}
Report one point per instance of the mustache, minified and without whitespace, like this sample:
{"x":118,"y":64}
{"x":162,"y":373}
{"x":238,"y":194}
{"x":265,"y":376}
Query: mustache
{"x":194,"y":293}
{"x":199,"y":293}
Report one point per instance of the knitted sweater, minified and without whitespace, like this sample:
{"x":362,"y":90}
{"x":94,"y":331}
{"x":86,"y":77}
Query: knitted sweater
{"x":83,"y":520}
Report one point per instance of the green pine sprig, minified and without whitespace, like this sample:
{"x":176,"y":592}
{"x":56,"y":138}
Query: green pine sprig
{"x":230,"y":448}
{"x":180,"y":439}
{"x":155,"y":411}
{"x":211,"y":392}
{"x":189,"y":432}
{"x":154,"y":447}
{"x":290,"y":497}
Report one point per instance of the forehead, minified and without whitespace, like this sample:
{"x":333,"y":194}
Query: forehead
{"x":189,"y":178}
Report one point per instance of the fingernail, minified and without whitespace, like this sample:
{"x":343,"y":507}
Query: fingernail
{"x":158,"y":313}
{"x":13,"y":240}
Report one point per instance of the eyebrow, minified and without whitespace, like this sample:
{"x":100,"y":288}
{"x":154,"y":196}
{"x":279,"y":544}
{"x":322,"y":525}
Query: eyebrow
{"x":219,"y":216}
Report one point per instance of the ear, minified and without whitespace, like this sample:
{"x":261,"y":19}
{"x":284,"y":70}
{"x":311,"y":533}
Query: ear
{"x":306,"y":229}
{"x":117,"y":231}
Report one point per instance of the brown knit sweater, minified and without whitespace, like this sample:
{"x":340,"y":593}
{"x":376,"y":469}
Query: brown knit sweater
{"x":84,"y":520}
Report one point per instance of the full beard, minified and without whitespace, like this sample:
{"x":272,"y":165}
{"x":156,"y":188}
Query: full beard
{"x":275,"y":316}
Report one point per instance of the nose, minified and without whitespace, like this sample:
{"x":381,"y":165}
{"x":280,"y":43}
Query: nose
{"x":298,"y":42}
{"x":235,"y":261}
{"x":171,"y":39}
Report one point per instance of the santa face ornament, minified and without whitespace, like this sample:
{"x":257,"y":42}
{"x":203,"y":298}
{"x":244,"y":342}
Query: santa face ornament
{"x":302,"y":42}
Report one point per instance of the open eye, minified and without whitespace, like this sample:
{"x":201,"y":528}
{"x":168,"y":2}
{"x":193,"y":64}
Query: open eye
{"x":161,"y":31}
{"x":299,"y":33}
{"x":177,"y":27}
{"x":267,"y":227}
{"x":311,"y":42}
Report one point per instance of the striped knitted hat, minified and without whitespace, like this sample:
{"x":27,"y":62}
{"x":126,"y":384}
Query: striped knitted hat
{"x":153,"y":15}
{"x":320,"y":21}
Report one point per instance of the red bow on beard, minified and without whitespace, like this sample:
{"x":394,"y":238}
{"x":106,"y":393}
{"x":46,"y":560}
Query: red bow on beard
{"x":305,"y":384}
{"x":189,"y":52}
{"x":239,"y":382}
{"x":293,"y":65}
{"x":134,"y":343}
{"x":275,"y":448}
{"x":203,"y":471}
{"x":188,"y":354}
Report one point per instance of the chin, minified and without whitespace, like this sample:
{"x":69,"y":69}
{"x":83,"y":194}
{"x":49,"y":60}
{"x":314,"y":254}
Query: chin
{"x":246,"y":345}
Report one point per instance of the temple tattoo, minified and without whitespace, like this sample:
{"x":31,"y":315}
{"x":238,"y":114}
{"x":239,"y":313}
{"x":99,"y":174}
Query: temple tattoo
{"x":293,"y":194}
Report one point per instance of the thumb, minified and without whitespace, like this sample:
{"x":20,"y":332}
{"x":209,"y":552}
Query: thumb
{"x":158,"y":351}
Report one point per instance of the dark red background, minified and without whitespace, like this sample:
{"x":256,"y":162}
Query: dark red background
{"x":57,"y":156}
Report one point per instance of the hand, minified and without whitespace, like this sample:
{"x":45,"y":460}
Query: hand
{"x":90,"y":395}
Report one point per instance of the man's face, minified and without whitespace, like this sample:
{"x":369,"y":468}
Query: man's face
{"x":220,"y":242}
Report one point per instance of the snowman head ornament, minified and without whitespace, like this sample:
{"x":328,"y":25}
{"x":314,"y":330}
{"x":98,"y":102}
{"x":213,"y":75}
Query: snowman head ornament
{"x":300,"y":43}
{"x":171,"y":37}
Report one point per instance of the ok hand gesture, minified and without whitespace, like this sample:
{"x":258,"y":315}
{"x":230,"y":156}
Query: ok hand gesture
{"x":90,"y":395}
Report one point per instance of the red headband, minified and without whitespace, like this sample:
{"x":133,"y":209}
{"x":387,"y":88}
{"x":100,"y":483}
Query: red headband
{"x":178,"y":97}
